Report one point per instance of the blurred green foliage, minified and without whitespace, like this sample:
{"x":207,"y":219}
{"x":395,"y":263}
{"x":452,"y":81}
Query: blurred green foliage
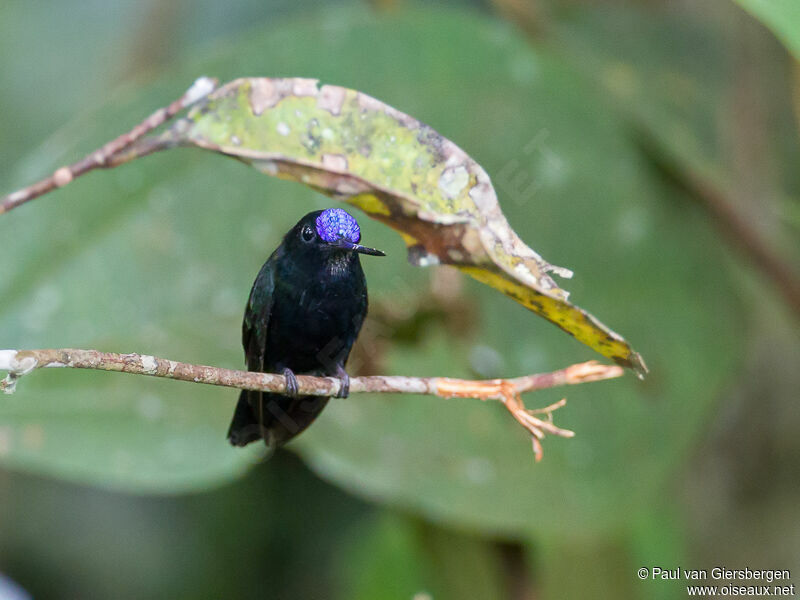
{"x":158,"y":256}
{"x":781,"y":16}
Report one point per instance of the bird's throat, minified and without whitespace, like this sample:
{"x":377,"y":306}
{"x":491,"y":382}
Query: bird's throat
{"x":340,"y":263}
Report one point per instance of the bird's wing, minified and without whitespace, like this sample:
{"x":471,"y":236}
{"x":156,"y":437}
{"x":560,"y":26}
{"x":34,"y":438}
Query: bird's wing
{"x":256,"y":317}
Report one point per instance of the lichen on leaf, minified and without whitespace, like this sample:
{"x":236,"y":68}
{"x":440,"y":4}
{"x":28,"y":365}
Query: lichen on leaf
{"x":399,"y":171}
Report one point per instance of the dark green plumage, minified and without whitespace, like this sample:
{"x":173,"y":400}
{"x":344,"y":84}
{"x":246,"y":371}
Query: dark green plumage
{"x":305,"y":311}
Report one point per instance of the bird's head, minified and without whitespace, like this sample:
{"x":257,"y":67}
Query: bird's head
{"x":332,"y":233}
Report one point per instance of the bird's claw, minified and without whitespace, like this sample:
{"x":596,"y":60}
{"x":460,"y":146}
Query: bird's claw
{"x":291,"y":383}
{"x":344,"y":380}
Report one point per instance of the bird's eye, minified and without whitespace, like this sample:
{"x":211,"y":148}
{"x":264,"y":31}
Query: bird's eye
{"x":307,"y":234}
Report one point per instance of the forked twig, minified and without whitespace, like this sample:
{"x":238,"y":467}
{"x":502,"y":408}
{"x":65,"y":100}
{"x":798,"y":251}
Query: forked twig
{"x":507,"y":391}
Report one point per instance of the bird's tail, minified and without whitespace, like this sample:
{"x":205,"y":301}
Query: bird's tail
{"x":244,"y":425}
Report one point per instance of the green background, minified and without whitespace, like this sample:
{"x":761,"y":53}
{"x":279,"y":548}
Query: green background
{"x":124,"y":486}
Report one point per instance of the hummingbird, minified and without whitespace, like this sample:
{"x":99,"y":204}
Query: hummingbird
{"x":304,"y":313}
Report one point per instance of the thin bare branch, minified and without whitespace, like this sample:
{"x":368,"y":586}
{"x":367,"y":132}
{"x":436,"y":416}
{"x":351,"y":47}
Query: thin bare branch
{"x":736,"y":228}
{"x":741,"y":234}
{"x":117,"y":151}
{"x":508,"y":391}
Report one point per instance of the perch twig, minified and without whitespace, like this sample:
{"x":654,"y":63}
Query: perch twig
{"x":507,"y":391}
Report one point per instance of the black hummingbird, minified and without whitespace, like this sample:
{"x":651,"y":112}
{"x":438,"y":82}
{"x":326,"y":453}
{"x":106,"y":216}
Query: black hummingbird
{"x":305,"y":310}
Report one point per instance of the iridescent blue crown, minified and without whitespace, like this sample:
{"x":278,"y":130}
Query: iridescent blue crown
{"x":335,"y":224}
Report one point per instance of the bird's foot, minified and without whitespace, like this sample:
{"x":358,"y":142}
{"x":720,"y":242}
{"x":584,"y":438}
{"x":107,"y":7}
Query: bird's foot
{"x":344,"y":379}
{"x":291,"y":383}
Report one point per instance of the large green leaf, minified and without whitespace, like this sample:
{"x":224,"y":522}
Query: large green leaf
{"x":158,"y":256}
